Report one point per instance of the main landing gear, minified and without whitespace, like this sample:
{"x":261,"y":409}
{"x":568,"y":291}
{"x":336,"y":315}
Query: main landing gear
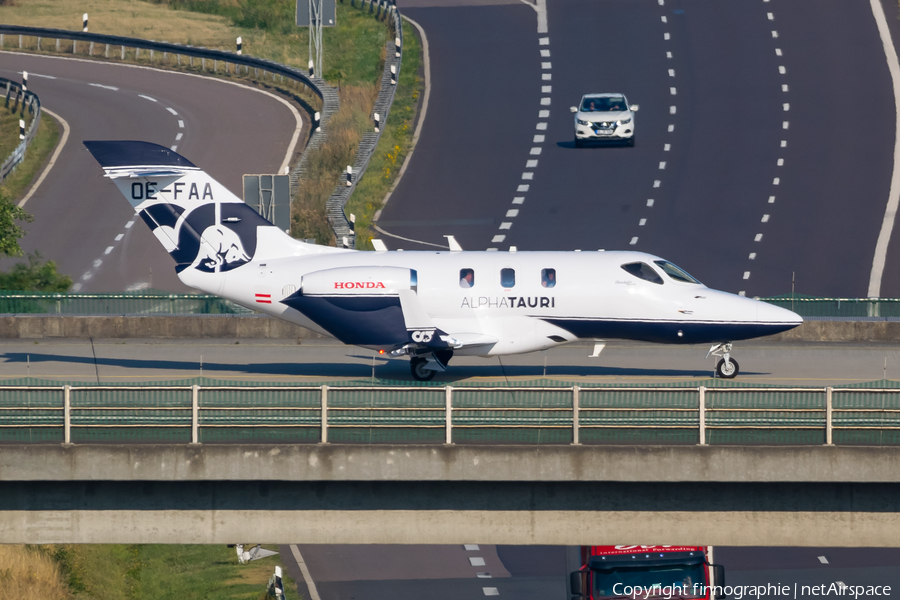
{"x":424,"y":367}
{"x":727,"y":367}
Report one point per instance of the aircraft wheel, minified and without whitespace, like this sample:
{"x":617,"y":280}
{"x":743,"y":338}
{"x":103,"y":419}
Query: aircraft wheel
{"x":419,"y":372}
{"x":727,"y":370}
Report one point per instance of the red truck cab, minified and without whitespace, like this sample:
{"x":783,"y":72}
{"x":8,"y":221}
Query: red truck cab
{"x":646,"y":573}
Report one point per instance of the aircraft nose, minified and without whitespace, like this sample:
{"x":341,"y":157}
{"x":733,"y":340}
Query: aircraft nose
{"x":775,"y":315}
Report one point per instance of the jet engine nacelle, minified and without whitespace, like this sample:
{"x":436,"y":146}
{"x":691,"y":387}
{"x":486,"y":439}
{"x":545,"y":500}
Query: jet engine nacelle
{"x":358,"y":281}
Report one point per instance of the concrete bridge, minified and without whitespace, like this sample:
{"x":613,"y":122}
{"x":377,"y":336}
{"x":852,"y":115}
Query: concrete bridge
{"x":721,"y":495}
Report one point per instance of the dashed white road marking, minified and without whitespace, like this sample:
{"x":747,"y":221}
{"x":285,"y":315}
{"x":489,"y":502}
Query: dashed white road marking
{"x":543,"y":114}
{"x":535,"y":151}
{"x":528,"y":175}
{"x":633,"y":241}
{"x":519,"y":200}
{"x":752,"y":256}
{"x":38,"y":75}
{"x":546,"y":89}
{"x":776,"y":181}
{"x":672,"y":110}
{"x":544,"y":41}
{"x":120,"y":236}
{"x":758,"y":237}
{"x":671,"y":128}
{"x":665,"y":36}
{"x":774,"y":34}
{"x":765,"y":218}
{"x":522,"y":188}
{"x":771,"y":199}
{"x":490,"y":591}
{"x":179,"y":136}
{"x":471,"y":547}
{"x":546,"y":76}
{"x":780,"y":162}
{"x":746,"y":274}
{"x":546,"y":65}
{"x":667,"y":147}
{"x":530,"y":164}
{"x":495,"y":240}
{"x":505,"y":225}
{"x":662,"y":165}
{"x":642,"y":222}
{"x":784,"y":143}
{"x":145,"y":97}
{"x":538,"y":139}
{"x":664,"y":19}
{"x":657,"y":183}
{"x":172,"y":110}
{"x":668,"y":55}
{"x":483,"y":575}
{"x":512,"y":213}
{"x":545,"y":101}
{"x":180,"y":124}
{"x":785,"y":124}
{"x":784,"y":87}
{"x":823,"y":560}
{"x":786,"y":106}
{"x":782,"y":69}
{"x":97,"y":262}
{"x":650,"y":202}
{"x":129,"y":224}
{"x":671,"y":72}
{"x":778,"y":52}
{"x":770,"y":16}
{"x":545,"y":53}
{"x":541,"y":126}
{"x":105,"y":87}
{"x":173,"y":148}
{"x":672,"y":91}
{"x":108,"y":250}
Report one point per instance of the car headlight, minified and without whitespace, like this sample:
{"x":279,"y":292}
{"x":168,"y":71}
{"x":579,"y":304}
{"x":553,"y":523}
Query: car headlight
{"x":623,"y":121}
{"x":580,"y":122}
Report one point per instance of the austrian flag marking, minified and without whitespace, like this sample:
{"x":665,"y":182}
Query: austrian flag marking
{"x":264,"y":298}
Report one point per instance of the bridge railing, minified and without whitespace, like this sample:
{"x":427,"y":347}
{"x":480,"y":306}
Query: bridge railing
{"x":712,"y":414}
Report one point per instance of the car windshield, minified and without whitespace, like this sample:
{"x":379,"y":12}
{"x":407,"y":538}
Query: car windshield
{"x":675,"y":272}
{"x":604,"y":104}
{"x":672,"y":581}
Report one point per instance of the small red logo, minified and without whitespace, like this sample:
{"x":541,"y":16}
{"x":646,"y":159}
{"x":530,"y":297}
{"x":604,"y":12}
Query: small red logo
{"x":264,"y":298}
{"x":358,"y":285}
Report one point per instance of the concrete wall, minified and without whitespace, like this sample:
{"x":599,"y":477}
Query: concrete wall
{"x":350,"y":462}
{"x":257,"y":327}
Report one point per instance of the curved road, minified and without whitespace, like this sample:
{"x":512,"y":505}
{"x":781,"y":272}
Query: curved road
{"x":765,"y":137}
{"x":81,"y":220}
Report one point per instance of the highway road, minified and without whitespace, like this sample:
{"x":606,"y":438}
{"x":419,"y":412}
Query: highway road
{"x":762,"y":362}
{"x":81,"y":220}
{"x":764,"y":140}
{"x":539,"y":572}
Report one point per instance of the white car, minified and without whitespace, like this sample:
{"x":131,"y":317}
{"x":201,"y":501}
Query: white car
{"x":604,"y":118}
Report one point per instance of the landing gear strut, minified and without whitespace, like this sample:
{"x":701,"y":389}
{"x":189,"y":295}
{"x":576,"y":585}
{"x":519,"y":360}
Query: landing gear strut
{"x":424,"y":367}
{"x":727,"y":367}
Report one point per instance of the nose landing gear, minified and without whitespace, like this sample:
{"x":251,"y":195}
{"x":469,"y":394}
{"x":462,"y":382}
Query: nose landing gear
{"x":727,"y":367}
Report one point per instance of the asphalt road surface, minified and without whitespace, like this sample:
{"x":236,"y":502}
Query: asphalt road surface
{"x":764,"y":139}
{"x":81,"y":219}
{"x":323,"y":360}
{"x":539,"y":572}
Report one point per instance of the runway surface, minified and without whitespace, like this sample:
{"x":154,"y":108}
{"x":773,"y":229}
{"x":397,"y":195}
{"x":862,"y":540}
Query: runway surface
{"x":764,"y":139}
{"x":322,"y":360}
{"x":81,"y":219}
{"x":540,"y":572}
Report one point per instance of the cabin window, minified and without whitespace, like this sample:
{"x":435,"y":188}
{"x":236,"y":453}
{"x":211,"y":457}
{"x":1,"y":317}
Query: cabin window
{"x":466,"y":278}
{"x":507,"y":278}
{"x":676,"y":273}
{"x":644,"y":271}
{"x":548,"y":278}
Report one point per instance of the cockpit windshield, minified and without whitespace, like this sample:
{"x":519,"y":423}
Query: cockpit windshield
{"x":604,"y":104}
{"x":672,"y":581}
{"x":643,"y":271}
{"x":676,"y":273}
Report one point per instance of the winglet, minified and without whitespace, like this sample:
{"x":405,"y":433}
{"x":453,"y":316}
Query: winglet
{"x":454,"y":245}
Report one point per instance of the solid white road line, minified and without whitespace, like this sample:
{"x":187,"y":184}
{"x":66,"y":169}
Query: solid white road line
{"x":62,"y":143}
{"x":541,"y":8}
{"x":890,"y":212}
{"x":310,"y":584}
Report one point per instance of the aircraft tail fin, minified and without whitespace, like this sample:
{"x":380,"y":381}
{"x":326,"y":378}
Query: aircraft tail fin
{"x":200,"y":223}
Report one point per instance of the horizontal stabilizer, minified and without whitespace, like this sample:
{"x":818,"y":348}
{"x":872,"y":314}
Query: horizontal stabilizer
{"x":118,"y":154}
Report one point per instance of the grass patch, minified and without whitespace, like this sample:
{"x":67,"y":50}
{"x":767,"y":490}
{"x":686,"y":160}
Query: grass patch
{"x":30,"y":573}
{"x":19,"y":181}
{"x":158,"y":572}
{"x":394,"y":145}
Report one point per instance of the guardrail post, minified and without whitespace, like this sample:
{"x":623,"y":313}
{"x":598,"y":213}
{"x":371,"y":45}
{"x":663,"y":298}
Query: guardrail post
{"x":20,"y":42}
{"x":324,"y":435}
{"x":74,"y":45}
{"x":828,"y":416}
{"x":67,"y":414}
{"x":195,"y":414}
{"x":1,"y":40}
{"x":448,"y":414}
{"x":123,"y":52}
{"x":39,"y":44}
{"x":91,"y":49}
{"x":702,"y":407}
{"x":106,"y":53}
{"x":576,"y":416}
{"x":57,"y":44}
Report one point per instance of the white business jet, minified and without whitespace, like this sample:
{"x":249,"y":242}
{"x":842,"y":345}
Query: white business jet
{"x":429,"y":306}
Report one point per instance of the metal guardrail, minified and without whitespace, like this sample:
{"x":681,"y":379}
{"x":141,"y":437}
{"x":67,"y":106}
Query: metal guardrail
{"x":450,"y":415}
{"x":24,"y":98}
{"x":127,"y":303}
